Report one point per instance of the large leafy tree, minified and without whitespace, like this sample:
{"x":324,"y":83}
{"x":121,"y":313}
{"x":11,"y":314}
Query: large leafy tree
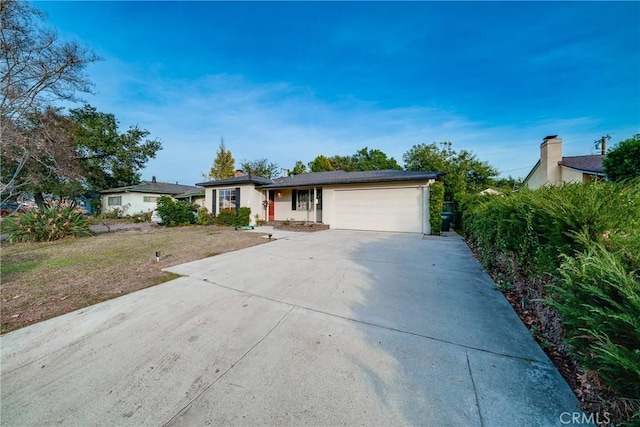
{"x":363,"y":160}
{"x":343,"y":163}
{"x":465,"y":172}
{"x":224,"y":165}
{"x":298,"y":169}
{"x":321,"y":164}
{"x":623,"y":161}
{"x":109,"y":158}
{"x":260,"y":167}
{"x":37,"y":69}
{"x":371,"y":160}
{"x":80,"y":152}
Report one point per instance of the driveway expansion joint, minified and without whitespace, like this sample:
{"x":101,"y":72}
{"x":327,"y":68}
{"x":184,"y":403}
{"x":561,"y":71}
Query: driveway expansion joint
{"x":186,"y":408}
{"x":475,"y":390}
{"x":546,"y":362}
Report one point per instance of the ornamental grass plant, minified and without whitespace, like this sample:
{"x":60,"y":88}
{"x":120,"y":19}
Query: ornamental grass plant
{"x":46,"y":225}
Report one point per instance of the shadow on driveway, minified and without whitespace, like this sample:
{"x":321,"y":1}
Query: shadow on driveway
{"x":461,"y":355}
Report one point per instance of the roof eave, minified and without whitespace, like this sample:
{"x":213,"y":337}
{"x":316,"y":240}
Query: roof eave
{"x":347,"y":181}
{"x":524,"y":181}
{"x":591,"y":172}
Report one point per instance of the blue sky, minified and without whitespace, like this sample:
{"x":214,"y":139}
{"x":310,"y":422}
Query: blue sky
{"x":288,"y":81}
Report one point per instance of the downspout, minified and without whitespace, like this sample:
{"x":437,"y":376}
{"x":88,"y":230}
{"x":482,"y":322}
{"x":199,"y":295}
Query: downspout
{"x":426,"y":220}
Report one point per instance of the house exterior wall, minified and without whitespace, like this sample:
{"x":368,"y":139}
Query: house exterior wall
{"x":537,"y":178}
{"x":198,"y":201}
{"x":249,"y":197}
{"x":131,"y":203}
{"x":283,"y":209}
{"x":571,"y":175}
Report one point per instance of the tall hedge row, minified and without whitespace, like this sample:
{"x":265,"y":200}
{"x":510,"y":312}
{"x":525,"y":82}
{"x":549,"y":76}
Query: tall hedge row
{"x":436,"y":202}
{"x":582,"y":242}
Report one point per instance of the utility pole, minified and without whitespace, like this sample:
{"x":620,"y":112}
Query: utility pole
{"x":602,"y":142}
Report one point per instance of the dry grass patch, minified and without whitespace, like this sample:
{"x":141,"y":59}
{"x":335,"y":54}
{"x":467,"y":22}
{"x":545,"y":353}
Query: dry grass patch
{"x":44,"y":280}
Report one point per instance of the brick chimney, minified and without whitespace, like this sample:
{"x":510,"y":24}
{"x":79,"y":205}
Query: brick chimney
{"x":239,"y":173}
{"x":550,"y":157}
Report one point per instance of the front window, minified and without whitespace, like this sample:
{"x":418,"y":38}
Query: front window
{"x":114,"y":201}
{"x":304,"y":199}
{"x":226,"y":200}
{"x":150,"y":199}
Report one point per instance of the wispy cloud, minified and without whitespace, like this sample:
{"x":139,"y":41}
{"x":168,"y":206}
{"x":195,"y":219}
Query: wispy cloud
{"x":285,"y":122}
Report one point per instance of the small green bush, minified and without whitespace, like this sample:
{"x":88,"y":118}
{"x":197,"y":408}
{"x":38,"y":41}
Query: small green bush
{"x":113,"y":213}
{"x":46,"y":225}
{"x":226,"y":217}
{"x":142,"y":217}
{"x":231,"y":218}
{"x":436,"y":202}
{"x":205,"y":217}
{"x":175,"y":213}
{"x":244,"y":216}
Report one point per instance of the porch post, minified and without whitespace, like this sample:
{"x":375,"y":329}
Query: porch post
{"x":265,"y":211}
{"x":315,"y":206}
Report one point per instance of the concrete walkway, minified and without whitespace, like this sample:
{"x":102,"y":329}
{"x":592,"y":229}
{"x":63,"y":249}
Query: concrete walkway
{"x":328,"y":328}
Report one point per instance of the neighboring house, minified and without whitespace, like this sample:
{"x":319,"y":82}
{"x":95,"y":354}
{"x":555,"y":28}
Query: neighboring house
{"x":554,"y":169}
{"x":388,"y":200}
{"x":141,"y":198}
{"x":195,"y":196}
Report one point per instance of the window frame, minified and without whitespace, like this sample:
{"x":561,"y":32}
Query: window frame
{"x":223,"y":202}
{"x":111,"y":200}
{"x":307,"y":204}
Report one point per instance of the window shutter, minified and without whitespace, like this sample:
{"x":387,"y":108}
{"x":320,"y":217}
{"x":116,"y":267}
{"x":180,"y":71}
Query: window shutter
{"x":294,"y":199}
{"x":237,"y":200}
{"x":214,"y":202}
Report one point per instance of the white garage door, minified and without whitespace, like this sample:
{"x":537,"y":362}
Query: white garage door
{"x":391,"y":209}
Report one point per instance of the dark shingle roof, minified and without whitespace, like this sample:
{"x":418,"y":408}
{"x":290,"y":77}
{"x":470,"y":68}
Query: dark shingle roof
{"x":152,"y":187}
{"x":196,"y":191}
{"x":592,"y":164}
{"x":245,"y":179}
{"x":342,"y":177}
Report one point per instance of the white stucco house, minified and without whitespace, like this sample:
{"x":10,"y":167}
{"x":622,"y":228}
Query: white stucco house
{"x":386,"y":200}
{"x":554,"y":169}
{"x":142,"y":198}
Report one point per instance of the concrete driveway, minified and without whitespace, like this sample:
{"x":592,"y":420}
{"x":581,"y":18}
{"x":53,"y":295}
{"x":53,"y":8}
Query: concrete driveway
{"x":328,"y":328}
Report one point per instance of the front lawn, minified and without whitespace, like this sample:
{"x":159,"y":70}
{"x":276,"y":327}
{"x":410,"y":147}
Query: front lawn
{"x":43,"y":280}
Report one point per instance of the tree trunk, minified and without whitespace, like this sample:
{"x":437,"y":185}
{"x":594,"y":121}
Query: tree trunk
{"x":40,"y":201}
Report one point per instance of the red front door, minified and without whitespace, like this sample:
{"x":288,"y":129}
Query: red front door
{"x":272,"y":205}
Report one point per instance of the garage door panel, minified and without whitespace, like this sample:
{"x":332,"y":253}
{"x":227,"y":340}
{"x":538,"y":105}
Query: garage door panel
{"x":379,"y":209}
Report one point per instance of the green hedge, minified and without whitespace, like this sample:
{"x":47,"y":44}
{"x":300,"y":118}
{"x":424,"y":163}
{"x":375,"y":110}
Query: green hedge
{"x":230,"y":217}
{"x":539,"y":226}
{"x":175,"y":212}
{"x":436,"y":203}
{"x":583,"y":241}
